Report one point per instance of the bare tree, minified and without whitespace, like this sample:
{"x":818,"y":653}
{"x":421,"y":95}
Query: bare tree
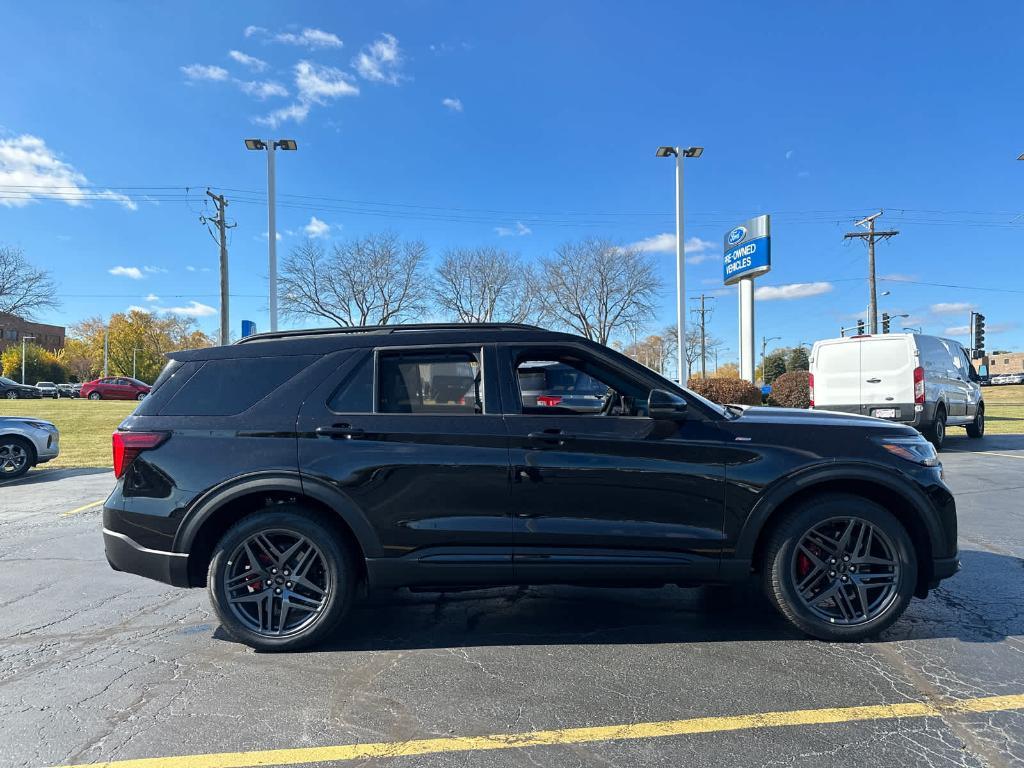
{"x":483,"y":285}
{"x":24,"y":290}
{"x":594,"y":287}
{"x":691,"y":347}
{"x":374,"y":280}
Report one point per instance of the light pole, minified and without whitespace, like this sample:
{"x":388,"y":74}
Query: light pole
{"x":23,"y":340}
{"x":271,"y":146}
{"x":134,"y":350}
{"x":679,"y":153}
{"x":764,"y":348}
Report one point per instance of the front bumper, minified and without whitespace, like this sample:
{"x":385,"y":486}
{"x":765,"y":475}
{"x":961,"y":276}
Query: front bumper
{"x":126,"y":554}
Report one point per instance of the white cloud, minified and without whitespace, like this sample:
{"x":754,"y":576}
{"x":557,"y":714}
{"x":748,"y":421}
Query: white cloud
{"x":190,"y":268}
{"x":958,"y":330}
{"x":898,"y":278}
{"x":136,"y":308}
{"x":316,"y":84}
{"x":790,"y":153}
{"x":310,"y":38}
{"x":154,"y":270}
{"x":803,"y":174}
{"x":194,"y":309}
{"x":317,"y":228}
{"x":518,"y":230}
{"x":262,"y":89}
{"x":697,"y":250}
{"x":196,"y":72}
{"x":266,"y":236}
{"x":152,"y":297}
{"x":950,"y":308}
{"x":252,"y":29}
{"x":256,"y":65}
{"x":791,"y":291}
{"x":133,"y":272}
{"x":26,"y":163}
{"x":380,"y":61}
{"x":455,"y":105}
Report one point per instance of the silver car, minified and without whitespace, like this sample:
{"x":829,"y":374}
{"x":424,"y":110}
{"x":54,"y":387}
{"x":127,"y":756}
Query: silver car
{"x":24,"y":443}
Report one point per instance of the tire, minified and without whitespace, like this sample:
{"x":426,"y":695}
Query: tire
{"x":243,"y":607}
{"x":788,"y":567}
{"x":936,"y":433}
{"x":141,"y":396}
{"x":976,"y":428}
{"x":16,"y":457}
{"x":12,"y":395}
{"x":95,"y":396}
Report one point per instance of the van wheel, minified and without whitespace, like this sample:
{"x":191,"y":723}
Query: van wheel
{"x":977,"y":427}
{"x":840,"y":568}
{"x":281,"y":580}
{"x":936,"y":433}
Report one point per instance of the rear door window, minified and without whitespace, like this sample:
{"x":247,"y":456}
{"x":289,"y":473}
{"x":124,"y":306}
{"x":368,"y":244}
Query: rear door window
{"x":439,"y":382}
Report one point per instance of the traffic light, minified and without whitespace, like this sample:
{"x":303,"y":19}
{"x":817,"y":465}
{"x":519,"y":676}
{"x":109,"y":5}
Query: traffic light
{"x":979,"y":334}
{"x":885,"y":322}
{"x":860,"y":327}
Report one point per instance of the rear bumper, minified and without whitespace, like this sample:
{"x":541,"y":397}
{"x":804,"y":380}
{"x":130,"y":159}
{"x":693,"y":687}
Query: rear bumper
{"x":126,"y":554}
{"x":908,"y":412}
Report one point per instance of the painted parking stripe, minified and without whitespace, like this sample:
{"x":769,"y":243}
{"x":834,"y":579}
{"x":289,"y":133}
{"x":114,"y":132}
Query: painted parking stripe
{"x":82,"y":508}
{"x":625,"y":732}
{"x":988,"y":453}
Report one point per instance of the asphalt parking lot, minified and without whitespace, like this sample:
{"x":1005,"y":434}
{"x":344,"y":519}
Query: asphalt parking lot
{"x":98,"y":666}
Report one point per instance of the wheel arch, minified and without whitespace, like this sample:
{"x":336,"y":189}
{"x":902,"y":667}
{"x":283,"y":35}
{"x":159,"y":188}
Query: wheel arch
{"x":220,"y":508}
{"x":907,"y":504}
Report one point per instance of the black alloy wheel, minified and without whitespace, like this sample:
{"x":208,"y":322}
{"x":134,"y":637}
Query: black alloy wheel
{"x":12,"y":394}
{"x":15,"y":457}
{"x":840,"y":568}
{"x":280,"y":580}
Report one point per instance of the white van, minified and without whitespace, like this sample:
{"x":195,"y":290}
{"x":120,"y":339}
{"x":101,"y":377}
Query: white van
{"x":924,"y":381}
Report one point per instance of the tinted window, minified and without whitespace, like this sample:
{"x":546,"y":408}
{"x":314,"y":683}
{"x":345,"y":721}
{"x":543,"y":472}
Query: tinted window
{"x":228,"y":387}
{"x":355,"y":394}
{"x":429,"y":382}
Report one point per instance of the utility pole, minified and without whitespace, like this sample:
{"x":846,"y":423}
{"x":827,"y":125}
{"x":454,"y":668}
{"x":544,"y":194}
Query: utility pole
{"x":871,"y":236}
{"x":703,"y":311}
{"x":222,"y":226}
{"x":106,"y":350}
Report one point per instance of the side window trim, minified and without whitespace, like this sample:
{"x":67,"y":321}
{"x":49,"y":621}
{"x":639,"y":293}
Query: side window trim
{"x":481,"y":350}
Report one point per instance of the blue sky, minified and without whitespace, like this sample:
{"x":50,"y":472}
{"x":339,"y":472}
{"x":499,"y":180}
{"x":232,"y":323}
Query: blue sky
{"x":524,"y":125}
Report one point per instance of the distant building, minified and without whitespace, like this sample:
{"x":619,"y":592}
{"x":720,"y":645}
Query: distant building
{"x":1004,"y":362}
{"x":13,"y":329}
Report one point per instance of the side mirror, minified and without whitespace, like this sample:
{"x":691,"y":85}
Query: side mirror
{"x":666,"y":405}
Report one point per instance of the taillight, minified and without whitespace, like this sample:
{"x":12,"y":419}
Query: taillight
{"x":128,"y":445}
{"x":810,"y":384}
{"x":549,"y":400}
{"x":919,"y":384}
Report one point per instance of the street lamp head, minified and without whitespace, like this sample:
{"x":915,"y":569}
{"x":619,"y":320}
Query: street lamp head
{"x":666,"y":152}
{"x":255,"y":144}
{"x":288,"y":144}
{"x":1020,"y":157}
{"x":693,"y":151}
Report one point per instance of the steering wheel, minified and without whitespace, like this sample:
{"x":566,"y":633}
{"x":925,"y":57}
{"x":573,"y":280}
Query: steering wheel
{"x":608,"y":402}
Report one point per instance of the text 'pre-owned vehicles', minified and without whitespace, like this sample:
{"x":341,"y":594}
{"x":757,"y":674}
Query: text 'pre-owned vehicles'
{"x":925,"y":381}
{"x":12,"y":390}
{"x":115,"y":388}
{"x":291,"y":471}
{"x":24,"y":443}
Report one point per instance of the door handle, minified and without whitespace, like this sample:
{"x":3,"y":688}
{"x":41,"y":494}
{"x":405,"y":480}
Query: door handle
{"x":874,"y":381}
{"x":551,"y":437}
{"x":341,"y":432}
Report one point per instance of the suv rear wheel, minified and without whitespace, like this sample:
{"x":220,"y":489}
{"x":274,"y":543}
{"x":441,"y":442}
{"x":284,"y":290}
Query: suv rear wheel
{"x":936,"y":433}
{"x":280,"y":580}
{"x":840,"y":568}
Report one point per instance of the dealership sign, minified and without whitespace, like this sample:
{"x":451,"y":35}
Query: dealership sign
{"x":747,"y":250}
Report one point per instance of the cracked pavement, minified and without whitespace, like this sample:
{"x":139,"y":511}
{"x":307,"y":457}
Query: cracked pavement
{"x":97,"y":665}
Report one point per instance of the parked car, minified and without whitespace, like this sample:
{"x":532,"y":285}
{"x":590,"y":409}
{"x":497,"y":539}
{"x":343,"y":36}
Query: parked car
{"x":69,"y":390}
{"x":1008,"y":378}
{"x":924,"y":381}
{"x":289,"y":471}
{"x":24,"y":443}
{"x":47,"y":389}
{"x":555,"y":385}
{"x":115,"y":388}
{"x":12,"y":390}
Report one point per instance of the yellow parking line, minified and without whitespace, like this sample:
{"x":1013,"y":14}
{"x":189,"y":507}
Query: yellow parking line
{"x":624,"y":732}
{"x":83,"y":508}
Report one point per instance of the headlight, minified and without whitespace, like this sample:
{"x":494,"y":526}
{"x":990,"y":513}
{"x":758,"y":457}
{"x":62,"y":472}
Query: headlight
{"x":915,"y":449}
{"x":42,"y":425}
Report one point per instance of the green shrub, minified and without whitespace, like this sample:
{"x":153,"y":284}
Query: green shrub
{"x":791,"y":390}
{"x":724,"y":391}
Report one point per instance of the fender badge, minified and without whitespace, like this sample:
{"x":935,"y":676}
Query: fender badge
{"x":742,"y":439}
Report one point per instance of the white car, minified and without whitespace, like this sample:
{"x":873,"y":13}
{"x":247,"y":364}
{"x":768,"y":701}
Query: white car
{"x":24,"y":443}
{"x":924,"y":381}
{"x":1007,"y":378}
{"x":47,"y":389}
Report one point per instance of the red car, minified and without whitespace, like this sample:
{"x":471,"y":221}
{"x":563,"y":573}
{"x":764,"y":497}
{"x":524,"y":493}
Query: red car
{"x":115,"y":388}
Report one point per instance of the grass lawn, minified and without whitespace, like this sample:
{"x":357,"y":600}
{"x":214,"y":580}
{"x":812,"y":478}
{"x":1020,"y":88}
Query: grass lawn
{"x":85,"y":426}
{"x":1004,"y":409}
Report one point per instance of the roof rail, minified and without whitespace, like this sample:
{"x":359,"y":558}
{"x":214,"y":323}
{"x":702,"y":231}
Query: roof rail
{"x":388,"y":329}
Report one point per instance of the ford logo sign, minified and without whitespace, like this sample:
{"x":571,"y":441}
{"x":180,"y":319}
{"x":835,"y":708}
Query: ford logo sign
{"x":736,"y":235}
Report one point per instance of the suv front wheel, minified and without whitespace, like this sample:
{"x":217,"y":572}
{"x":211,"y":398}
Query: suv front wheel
{"x":840,"y":568}
{"x":280,"y":580}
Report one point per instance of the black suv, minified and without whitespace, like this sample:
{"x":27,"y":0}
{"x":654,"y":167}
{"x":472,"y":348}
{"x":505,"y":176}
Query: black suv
{"x":291,"y":471}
